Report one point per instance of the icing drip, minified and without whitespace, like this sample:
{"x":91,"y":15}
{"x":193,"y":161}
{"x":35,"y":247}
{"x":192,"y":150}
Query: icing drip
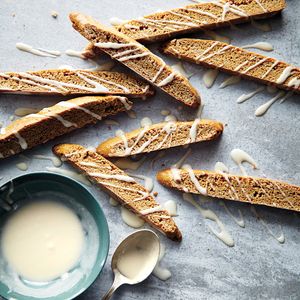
{"x":286,"y":73}
{"x":222,"y":234}
{"x":55,"y":160}
{"x":38,"y":51}
{"x":131,"y":219}
{"x":160,"y":272}
{"x":238,"y":220}
{"x":280,"y":239}
{"x":24,"y":111}
{"x":75,"y":53}
{"x":22,"y":166}
{"x":270,"y":69}
{"x":167,"y":80}
{"x":193,"y":131}
{"x":260,"y":45}
{"x":152,"y":210}
{"x":209,"y":77}
{"x":264,"y":108}
{"x":246,"y":97}
{"x":194,"y":180}
{"x":239,"y":156}
{"x":126,"y":163}
{"x":261,"y":6}
{"x":230,"y":81}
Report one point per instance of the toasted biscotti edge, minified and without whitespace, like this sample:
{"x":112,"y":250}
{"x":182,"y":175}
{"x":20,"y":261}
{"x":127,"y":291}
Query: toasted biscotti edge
{"x":61,"y":150}
{"x":105,"y":147}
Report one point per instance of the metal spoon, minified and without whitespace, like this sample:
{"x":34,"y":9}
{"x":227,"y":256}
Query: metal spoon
{"x":134,"y":259}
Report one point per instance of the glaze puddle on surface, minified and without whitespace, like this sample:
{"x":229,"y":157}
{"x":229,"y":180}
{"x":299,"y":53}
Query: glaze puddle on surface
{"x":230,"y":81}
{"x":39,"y":51}
{"x":239,"y":156}
{"x":160,"y":272}
{"x":209,"y":77}
{"x":54,"y":159}
{"x":126,"y":163}
{"x":265,"y":46}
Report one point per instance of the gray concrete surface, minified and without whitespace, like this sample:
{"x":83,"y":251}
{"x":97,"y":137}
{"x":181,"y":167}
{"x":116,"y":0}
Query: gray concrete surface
{"x":258,"y":267}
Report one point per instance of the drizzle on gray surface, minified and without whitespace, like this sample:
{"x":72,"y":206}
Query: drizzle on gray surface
{"x":257,"y":267}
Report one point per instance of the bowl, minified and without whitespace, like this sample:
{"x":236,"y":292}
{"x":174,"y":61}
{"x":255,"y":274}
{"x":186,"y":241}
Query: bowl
{"x":71,"y":193}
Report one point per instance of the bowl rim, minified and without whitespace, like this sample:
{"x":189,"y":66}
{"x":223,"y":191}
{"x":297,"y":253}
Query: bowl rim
{"x":99,"y":265}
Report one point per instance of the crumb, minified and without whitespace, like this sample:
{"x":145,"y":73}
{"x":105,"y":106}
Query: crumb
{"x":54,"y":14}
{"x":13,"y":14}
{"x":155,"y":194}
{"x":163,"y":165}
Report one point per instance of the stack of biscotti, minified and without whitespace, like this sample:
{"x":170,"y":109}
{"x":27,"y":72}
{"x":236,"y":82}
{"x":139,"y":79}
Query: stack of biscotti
{"x":73,"y":82}
{"x":120,"y":186}
{"x":261,"y":191}
{"x":236,"y":61}
{"x":160,"y":136}
{"x":209,"y":15}
{"x":136,"y":57}
{"x":51,"y":122}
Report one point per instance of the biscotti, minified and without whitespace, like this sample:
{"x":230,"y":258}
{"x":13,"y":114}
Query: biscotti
{"x":160,"y":136}
{"x":73,"y":82}
{"x":51,"y":122}
{"x":136,"y":57}
{"x":167,"y":24}
{"x":261,"y":191}
{"x":237,"y":61}
{"x":120,"y":186}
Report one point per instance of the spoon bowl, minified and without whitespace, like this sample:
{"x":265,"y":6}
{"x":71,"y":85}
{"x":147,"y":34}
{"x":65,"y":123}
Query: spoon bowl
{"x":134,"y":259}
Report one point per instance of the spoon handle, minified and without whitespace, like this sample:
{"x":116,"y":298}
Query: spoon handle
{"x":117,"y":282}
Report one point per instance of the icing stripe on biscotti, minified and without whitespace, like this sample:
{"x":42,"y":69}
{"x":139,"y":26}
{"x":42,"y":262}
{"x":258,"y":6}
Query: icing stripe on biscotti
{"x":136,"y":57}
{"x":166,"y":24}
{"x":261,"y":191}
{"x":160,"y":136}
{"x":237,"y":61}
{"x":120,"y":186}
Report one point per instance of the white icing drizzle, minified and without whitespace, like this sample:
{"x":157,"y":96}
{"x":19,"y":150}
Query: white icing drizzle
{"x":167,"y":80}
{"x":230,"y":81}
{"x":261,"y":6}
{"x":69,"y":104}
{"x":223,"y":234}
{"x":111,"y":176}
{"x":22,"y":166}
{"x":151,"y":210}
{"x":246,"y":97}
{"x":115,"y":21}
{"x":270,"y":69}
{"x":255,"y":65}
{"x":241,"y":65}
{"x":63,"y":121}
{"x":260,"y":45}
{"x":238,"y":220}
{"x":261,"y":110}
{"x":201,"y":12}
{"x":149,"y":183}
{"x":38,"y":51}
{"x":171,"y":207}
{"x":76,"y":176}
{"x":21,"y":140}
{"x":55,"y":160}
{"x":194,"y":180}
{"x":194,"y":130}
{"x":24,"y":111}
{"x":220,"y":51}
{"x":159,"y":271}
{"x":131,"y":219}
{"x":239,"y":156}
{"x":74,"y":53}
{"x":286,"y":73}
{"x":209,"y":77}
{"x":280,"y":239}
{"x":126,"y":163}
{"x":110,"y":45}
{"x":207,"y":50}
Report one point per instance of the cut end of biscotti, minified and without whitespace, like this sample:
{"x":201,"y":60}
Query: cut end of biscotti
{"x":160,"y":136}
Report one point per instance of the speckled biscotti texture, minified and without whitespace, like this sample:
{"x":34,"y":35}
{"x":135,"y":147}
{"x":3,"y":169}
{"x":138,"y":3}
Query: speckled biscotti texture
{"x":73,"y":82}
{"x":120,"y":186}
{"x":261,"y":191}
{"x":136,"y":57}
{"x":160,"y":136}
{"x":164,"y":25}
{"x":54,"y":121}
{"x":236,"y":61}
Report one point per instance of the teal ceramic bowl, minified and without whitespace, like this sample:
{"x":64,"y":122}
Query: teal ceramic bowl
{"x":14,"y":194}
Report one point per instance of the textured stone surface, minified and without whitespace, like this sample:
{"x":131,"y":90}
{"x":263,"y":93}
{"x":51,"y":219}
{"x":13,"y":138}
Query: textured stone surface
{"x":258,"y":267}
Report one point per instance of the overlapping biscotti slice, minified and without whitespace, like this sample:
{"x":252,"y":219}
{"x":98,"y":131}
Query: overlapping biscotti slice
{"x":51,"y":122}
{"x":120,"y":186}
{"x":209,"y":15}
{"x":136,"y":57}
{"x":73,"y":82}
{"x":237,"y":61}
{"x":160,"y":136}
{"x":261,"y":191}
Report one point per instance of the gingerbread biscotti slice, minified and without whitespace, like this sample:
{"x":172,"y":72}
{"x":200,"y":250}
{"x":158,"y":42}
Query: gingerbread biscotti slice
{"x":237,"y":61}
{"x":54,"y":121}
{"x":120,"y":186}
{"x":160,"y":136}
{"x":209,"y":15}
{"x":261,"y":191}
{"x":73,"y":82}
{"x":136,"y":57}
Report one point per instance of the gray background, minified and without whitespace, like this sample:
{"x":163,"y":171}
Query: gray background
{"x":202,"y":266}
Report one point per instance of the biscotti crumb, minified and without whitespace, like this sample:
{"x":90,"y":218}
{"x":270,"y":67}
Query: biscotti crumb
{"x":54,"y":14}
